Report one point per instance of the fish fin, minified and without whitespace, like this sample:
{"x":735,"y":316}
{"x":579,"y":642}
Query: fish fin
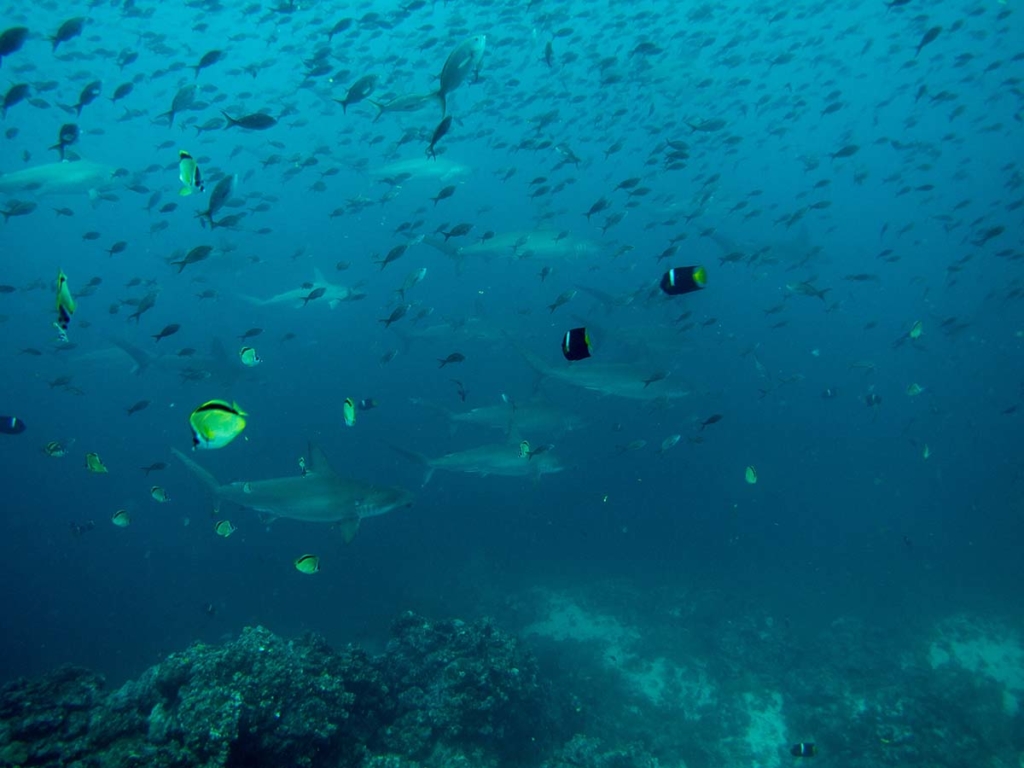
{"x":447,"y":412}
{"x":141,"y":359}
{"x":531,"y":358}
{"x":413,"y":456}
{"x":318,"y":278}
{"x":349,"y":528}
{"x":208,"y":479}
{"x":317,"y":461}
{"x":418,"y":458}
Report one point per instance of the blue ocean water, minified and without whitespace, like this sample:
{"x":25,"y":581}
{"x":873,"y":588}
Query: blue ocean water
{"x":903,"y":513}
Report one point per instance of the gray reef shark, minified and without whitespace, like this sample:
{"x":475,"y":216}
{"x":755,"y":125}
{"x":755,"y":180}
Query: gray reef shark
{"x":501,"y":459}
{"x":531,"y":418}
{"x":521,"y":244}
{"x":792,"y":252}
{"x":318,"y":496}
{"x":633,"y":381}
{"x":58,"y":178}
{"x":333,"y":294}
{"x":218,"y":365}
{"x":442,"y":169}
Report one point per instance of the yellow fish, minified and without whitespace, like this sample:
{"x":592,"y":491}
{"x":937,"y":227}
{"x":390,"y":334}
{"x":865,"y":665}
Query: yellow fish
{"x":249,"y":357}
{"x":188,"y":172}
{"x":750,"y":475}
{"x":916,"y":330}
{"x":159,"y":494}
{"x":55,"y":449}
{"x":348,"y":411}
{"x":66,"y":304}
{"x":216,"y":423}
{"x":224,"y":528}
{"x":121,"y":518}
{"x":308,"y":564}
{"x":94,"y":463}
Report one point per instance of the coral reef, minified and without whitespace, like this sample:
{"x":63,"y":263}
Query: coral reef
{"x":445,"y":693}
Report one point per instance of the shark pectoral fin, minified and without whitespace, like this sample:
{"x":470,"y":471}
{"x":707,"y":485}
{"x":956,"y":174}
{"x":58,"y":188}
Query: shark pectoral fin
{"x":208,"y":479}
{"x":349,"y":527}
{"x":333,"y":303}
{"x":266,"y":518}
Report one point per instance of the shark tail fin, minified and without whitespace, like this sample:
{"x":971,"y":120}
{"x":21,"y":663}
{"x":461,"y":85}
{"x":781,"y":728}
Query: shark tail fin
{"x":540,"y":368}
{"x":447,"y":412}
{"x":417,"y":458}
{"x":141,"y":359}
{"x":208,"y":479}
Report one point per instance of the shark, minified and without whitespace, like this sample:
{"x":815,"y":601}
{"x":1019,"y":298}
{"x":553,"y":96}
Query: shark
{"x":501,"y":459}
{"x":218,"y":365}
{"x":535,"y":243}
{"x":520,"y":244}
{"x":58,"y":178}
{"x":793,"y":252}
{"x":333,"y":294}
{"x":633,"y":381}
{"x":442,"y":169}
{"x":319,"y":495}
{"x":532,"y":417}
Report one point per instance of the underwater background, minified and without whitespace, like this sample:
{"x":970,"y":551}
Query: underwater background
{"x":850,"y":179}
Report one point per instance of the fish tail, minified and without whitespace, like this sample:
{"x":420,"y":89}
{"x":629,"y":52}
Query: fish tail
{"x":443,"y":102}
{"x":417,"y":458}
{"x":208,"y":479}
{"x":413,"y":456}
{"x":532,"y":359}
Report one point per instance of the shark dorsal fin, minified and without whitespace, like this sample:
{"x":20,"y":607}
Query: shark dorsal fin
{"x":318,"y":463}
{"x":318,"y":278}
